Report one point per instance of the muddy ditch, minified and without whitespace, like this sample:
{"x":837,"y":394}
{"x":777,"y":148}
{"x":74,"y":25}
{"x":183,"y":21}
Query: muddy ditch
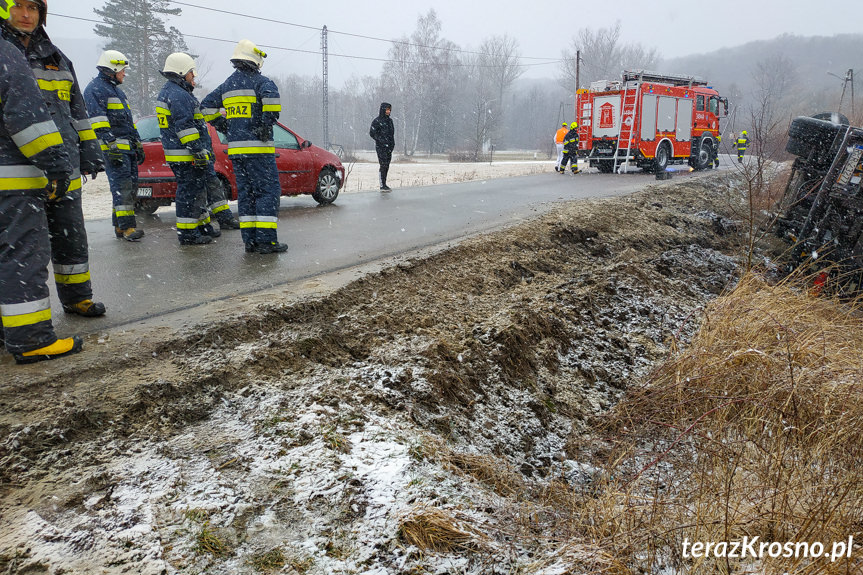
{"x":307,"y":438}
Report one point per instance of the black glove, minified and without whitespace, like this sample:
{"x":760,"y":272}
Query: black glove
{"x":264,"y":133}
{"x":92,"y":167}
{"x":220,"y":123}
{"x":115,"y":154}
{"x":202,"y":158}
{"x":56,"y":189}
{"x":139,"y":153}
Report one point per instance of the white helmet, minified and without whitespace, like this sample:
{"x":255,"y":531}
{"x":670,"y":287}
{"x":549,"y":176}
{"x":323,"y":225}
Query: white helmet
{"x":179,"y":63}
{"x":246,"y":50}
{"x":112,"y":60}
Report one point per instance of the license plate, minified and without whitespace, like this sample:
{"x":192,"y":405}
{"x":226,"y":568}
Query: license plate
{"x":145,"y":192}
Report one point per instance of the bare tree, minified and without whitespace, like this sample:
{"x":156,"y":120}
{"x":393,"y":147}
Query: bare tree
{"x":603,"y":56}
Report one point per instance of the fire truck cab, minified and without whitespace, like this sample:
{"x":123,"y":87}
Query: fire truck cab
{"x":650,"y":120}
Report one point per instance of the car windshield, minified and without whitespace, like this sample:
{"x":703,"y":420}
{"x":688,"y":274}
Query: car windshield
{"x":148,"y":129}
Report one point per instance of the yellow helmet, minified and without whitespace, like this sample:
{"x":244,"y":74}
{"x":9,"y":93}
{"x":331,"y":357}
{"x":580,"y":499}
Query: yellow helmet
{"x":565,"y":125}
{"x":5,"y":5}
{"x":573,"y":126}
{"x":744,"y":132}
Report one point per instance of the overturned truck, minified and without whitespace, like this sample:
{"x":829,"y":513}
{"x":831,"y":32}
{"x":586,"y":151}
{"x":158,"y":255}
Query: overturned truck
{"x":821,"y":215}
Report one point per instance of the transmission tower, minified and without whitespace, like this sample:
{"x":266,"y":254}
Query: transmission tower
{"x":326,"y":90}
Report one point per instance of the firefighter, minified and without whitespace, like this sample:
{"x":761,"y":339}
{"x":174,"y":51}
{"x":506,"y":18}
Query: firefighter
{"x":716,"y":151}
{"x":252,"y":106}
{"x":112,"y":121}
{"x":189,"y":152}
{"x":34,"y":169}
{"x":570,"y":149}
{"x":25,"y":29}
{"x":742,"y":144}
{"x":558,"y":143}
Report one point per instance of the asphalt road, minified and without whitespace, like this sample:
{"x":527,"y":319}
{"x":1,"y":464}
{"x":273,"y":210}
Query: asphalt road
{"x":157,"y":276}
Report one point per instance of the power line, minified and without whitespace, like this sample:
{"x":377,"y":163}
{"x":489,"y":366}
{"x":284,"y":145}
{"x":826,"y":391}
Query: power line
{"x":316,"y":53}
{"x":330,"y":31}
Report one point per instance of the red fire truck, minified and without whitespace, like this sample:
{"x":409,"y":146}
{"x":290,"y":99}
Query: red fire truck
{"x":665,"y":119}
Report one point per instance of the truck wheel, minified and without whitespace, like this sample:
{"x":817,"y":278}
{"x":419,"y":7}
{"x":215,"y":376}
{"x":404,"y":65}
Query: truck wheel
{"x":605,"y":166}
{"x":663,"y":156}
{"x":812,"y":139}
{"x":327,"y":189}
{"x":704,"y":157}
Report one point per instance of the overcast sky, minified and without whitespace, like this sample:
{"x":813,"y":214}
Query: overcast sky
{"x":543,"y":28}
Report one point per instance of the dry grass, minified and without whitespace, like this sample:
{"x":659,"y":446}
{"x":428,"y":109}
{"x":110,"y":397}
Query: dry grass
{"x":435,"y":529}
{"x":755,"y":430}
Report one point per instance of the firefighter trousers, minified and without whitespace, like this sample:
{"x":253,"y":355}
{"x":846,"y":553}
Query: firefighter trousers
{"x":25,"y":251}
{"x":191,"y":200}
{"x":69,"y":253}
{"x":123,"y":179}
{"x":258,"y":194}
{"x":217,"y":200}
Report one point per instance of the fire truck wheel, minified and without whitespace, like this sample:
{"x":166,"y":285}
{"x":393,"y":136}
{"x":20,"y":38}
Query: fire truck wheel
{"x":605,"y":167}
{"x":663,"y":156}
{"x":704,"y":158}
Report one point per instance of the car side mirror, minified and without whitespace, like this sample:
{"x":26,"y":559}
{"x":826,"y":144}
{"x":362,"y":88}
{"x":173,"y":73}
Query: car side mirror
{"x":306,"y":144}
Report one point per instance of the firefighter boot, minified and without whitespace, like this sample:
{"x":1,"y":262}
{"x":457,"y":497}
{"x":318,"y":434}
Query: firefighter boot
{"x":209,"y":230}
{"x":130,"y":234}
{"x":271,"y":248}
{"x":195,"y":240}
{"x":86,"y":308}
{"x":231,"y":223}
{"x":60,"y":348}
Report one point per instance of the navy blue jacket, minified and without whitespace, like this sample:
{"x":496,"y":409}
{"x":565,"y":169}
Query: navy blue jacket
{"x":110,"y":114}
{"x":252,"y":105}
{"x":30,"y":143}
{"x":62,"y":97}
{"x":181,"y":123}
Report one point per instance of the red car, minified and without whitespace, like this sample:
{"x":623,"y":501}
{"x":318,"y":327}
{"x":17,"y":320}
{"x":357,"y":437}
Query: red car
{"x":303,"y":168}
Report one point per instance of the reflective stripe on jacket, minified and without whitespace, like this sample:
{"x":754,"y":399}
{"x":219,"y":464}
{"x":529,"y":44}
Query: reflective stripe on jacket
{"x":110,"y":115}
{"x":181,"y":122}
{"x":252,"y":105}
{"x":30,"y":143}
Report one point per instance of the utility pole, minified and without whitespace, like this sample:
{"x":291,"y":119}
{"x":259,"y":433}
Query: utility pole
{"x":326,"y":90}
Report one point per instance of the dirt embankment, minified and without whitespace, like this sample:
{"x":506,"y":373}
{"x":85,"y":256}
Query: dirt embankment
{"x":312,"y":437}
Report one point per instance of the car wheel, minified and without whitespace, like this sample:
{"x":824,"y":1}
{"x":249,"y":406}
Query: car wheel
{"x":327,"y":189}
{"x":146,"y":206}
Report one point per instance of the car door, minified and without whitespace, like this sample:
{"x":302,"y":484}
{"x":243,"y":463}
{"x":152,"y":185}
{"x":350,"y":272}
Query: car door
{"x":295,"y":165}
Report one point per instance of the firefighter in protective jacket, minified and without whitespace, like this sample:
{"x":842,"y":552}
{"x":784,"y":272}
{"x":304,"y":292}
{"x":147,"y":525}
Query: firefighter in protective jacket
{"x":252,"y":105}
{"x":742,"y":144}
{"x":25,"y":29}
{"x":189,"y":152}
{"x":570,"y":149}
{"x":112,"y":121}
{"x":34,"y":165}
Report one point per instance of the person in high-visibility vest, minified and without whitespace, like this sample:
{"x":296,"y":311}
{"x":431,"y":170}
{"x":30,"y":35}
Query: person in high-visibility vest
{"x":570,"y":150}
{"x":742,"y":143}
{"x":558,"y":143}
{"x":716,"y":153}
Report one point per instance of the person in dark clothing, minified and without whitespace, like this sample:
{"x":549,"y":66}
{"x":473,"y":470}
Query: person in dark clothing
{"x":382,"y":132}
{"x":34,"y":169}
{"x":61,"y":94}
{"x":112,"y":121}
{"x":252,"y":105}
{"x":570,"y":149}
{"x":189,"y":153}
